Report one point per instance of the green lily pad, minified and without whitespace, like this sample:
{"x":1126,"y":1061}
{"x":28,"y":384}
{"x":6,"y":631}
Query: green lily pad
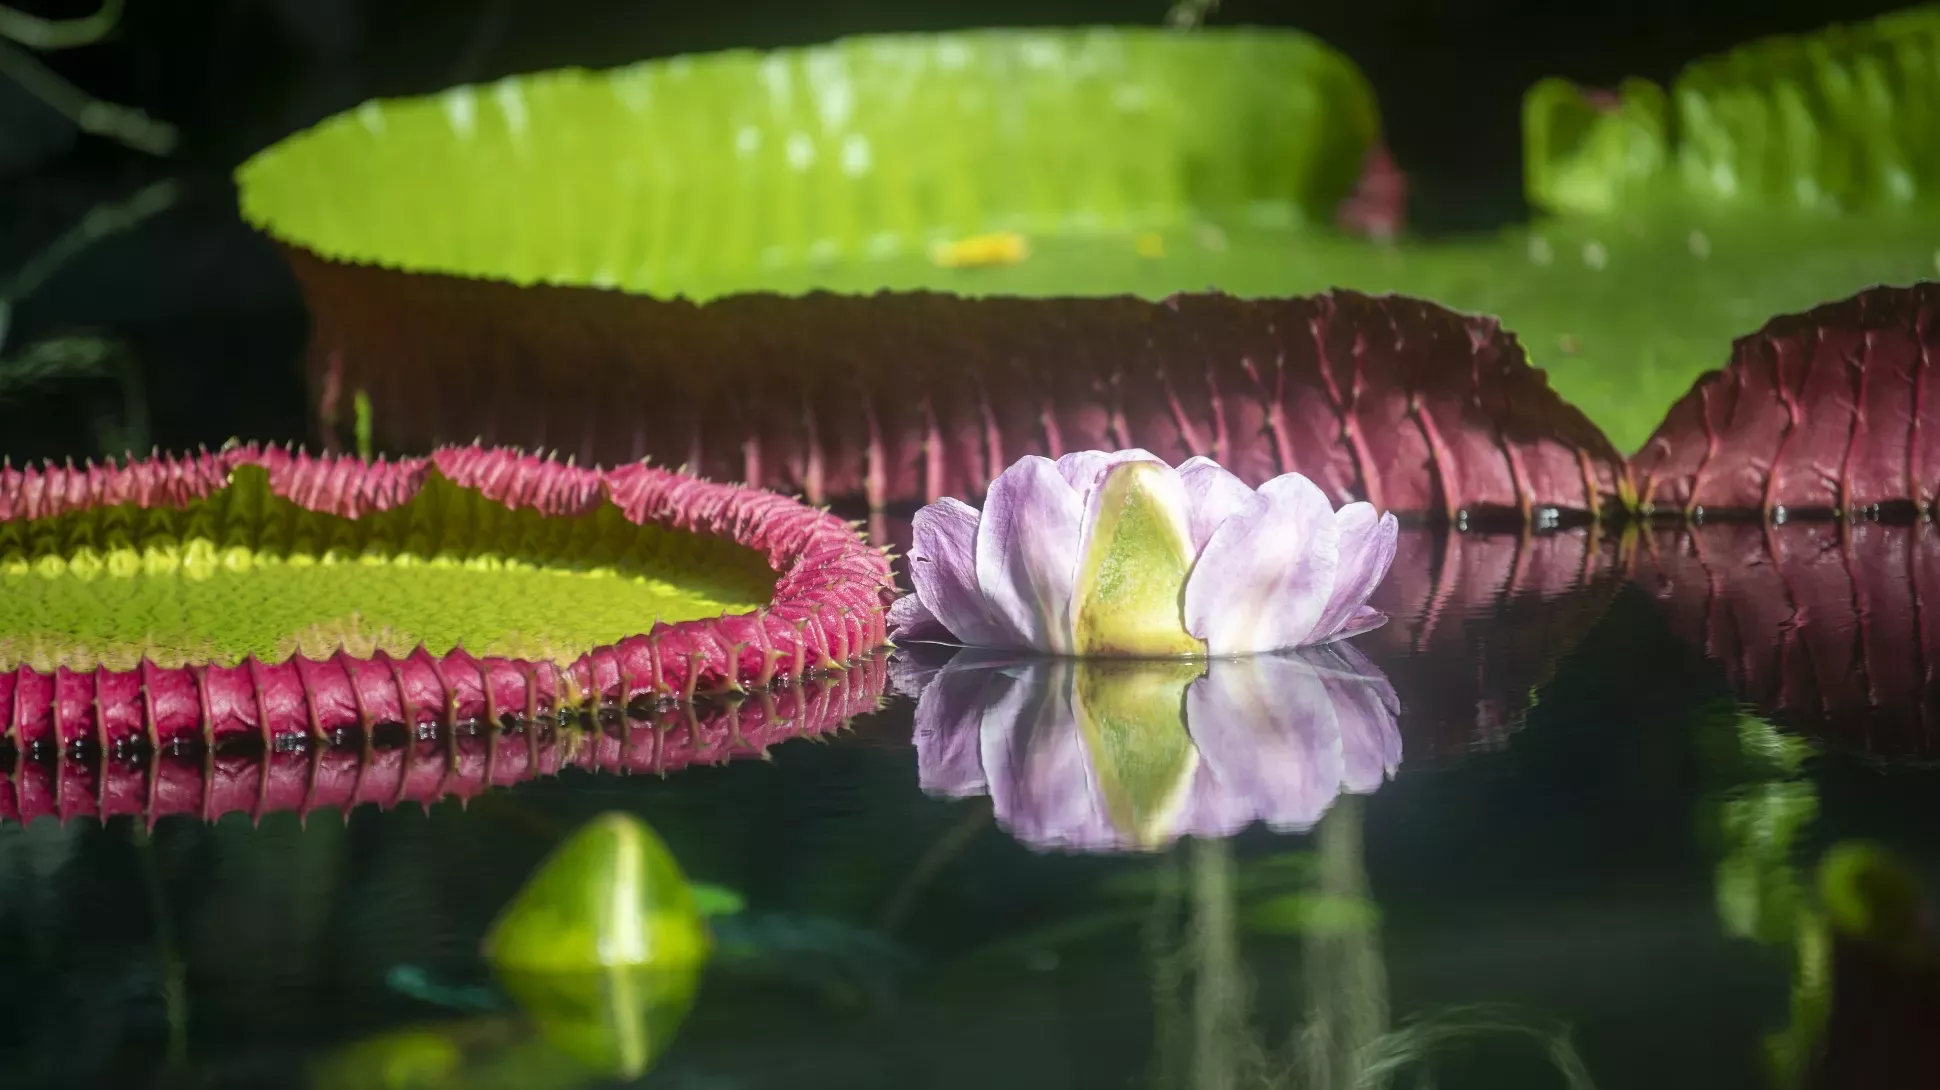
{"x":700,"y":176}
{"x":247,"y":572}
{"x":1089,"y":162}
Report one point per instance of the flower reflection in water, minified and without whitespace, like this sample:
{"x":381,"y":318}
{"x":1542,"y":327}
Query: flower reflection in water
{"x":1111,"y":755}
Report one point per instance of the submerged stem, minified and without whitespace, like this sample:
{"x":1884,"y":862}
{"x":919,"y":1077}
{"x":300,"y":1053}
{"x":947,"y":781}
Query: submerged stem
{"x":1346,"y":975}
{"x":1218,"y":985}
{"x":175,"y":998}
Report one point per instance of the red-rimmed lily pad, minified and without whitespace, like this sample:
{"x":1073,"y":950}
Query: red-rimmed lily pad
{"x":913,"y":397}
{"x":1832,"y":410}
{"x":270,"y":594}
{"x":639,"y":203}
{"x":461,"y":765}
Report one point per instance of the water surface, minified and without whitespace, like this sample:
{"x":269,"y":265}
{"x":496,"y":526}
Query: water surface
{"x":1590,"y":863}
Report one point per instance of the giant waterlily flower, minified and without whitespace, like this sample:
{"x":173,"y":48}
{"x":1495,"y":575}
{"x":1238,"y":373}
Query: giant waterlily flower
{"x":1121,"y":554}
{"x":1103,"y":755}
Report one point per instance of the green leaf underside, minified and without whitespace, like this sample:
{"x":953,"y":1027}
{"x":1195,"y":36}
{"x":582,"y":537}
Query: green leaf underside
{"x":1132,"y":161}
{"x":1132,"y":718}
{"x":1132,"y":576}
{"x":245,"y":572}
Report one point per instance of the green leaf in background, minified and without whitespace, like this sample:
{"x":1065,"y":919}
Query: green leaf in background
{"x":711,"y":901}
{"x":710,"y":174}
{"x":604,"y":946}
{"x":1310,"y":914}
{"x":1148,"y":162}
{"x":1842,"y":121}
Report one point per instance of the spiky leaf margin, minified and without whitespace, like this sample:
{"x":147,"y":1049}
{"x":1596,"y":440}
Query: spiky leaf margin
{"x":913,"y":396}
{"x":830,"y":596}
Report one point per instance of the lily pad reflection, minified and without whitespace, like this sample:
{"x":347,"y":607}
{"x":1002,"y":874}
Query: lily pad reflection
{"x":1099,"y":756}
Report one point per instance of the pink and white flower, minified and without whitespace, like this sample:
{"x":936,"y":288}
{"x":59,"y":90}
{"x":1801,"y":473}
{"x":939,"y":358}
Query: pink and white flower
{"x":1120,"y":554}
{"x":1109,"y":755}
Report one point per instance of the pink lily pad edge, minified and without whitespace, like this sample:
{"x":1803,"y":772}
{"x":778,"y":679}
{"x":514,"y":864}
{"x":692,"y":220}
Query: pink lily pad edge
{"x":831,"y":596}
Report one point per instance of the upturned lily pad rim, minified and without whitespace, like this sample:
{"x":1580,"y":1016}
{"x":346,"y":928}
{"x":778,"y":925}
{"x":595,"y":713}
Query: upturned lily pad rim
{"x":828,"y":608}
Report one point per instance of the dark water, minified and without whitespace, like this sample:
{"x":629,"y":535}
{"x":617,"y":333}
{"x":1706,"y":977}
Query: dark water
{"x":1561,"y":891}
{"x":1591,"y":867}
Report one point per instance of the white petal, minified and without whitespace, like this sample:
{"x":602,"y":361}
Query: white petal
{"x":1027,"y":552}
{"x":943,"y":569}
{"x":1039,"y":769}
{"x":1365,"y":619}
{"x":1085,"y":468}
{"x":1212,"y":496}
{"x":910,"y":620}
{"x":1369,"y":714}
{"x":1367,"y":544}
{"x":949,"y":724}
{"x":1267,"y":573}
{"x":1267,"y":726}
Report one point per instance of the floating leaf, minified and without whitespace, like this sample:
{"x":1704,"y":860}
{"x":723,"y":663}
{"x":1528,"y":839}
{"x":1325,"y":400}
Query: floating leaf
{"x":190,"y":601}
{"x":673,"y":176}
{"x":1830,"y":410}
{"x":921,"y":396}
{"x":1130,"y":162}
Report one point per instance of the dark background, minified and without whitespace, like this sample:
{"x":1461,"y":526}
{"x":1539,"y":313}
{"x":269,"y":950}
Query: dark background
{"x":215,"y":326}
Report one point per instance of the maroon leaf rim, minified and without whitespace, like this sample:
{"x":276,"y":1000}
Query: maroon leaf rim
{"x":1825,"y":412}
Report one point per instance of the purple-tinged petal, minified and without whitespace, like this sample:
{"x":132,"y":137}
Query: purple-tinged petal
{"x":1268,"y":727}
{"x":911,"y":621}
{"x":949,"y":726}
{"x":1365,"y":619}
{"x":1211,"y":811}
{"x":1027,"y":553}
{"x":1213,"y":495}
{"x":912,"y":668}
{"x":1267,"y":573}
{"x":1085,"y":468}
{"x":943,"y":569}
{"x":1042,"y":786}
{"x":1369,"y":713}
{"x":1367,"y":544}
